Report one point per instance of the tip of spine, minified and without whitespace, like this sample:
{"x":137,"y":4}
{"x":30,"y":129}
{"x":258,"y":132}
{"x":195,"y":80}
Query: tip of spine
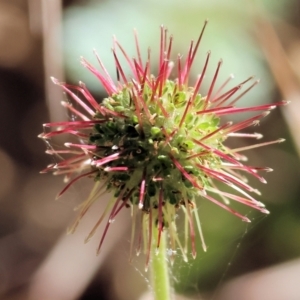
{"x":281,"y":140}
{"x":141,"y":205}
{"x":245,"y":219}
{"x":68,"y":145}
{"x":256,"y":192}
{"x":54,"y":80}
{"x":87,"y":239}
{"x":64,"y":103}
{"x":57,"y":196}
{"x":172,"y":259}
{"x":263,"y":180}
{"x":83,"y":61}
{"x":260,"y":204}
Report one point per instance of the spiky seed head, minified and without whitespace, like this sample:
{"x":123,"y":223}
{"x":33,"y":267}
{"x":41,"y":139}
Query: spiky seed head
{"x":158,"y":144}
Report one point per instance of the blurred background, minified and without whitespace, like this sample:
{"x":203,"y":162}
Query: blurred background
{"x":39,"y":39}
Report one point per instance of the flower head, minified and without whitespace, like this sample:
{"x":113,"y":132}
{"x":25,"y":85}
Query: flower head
{"x":157,"y":144}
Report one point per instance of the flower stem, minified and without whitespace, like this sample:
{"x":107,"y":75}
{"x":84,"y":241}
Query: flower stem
{"x":160,"y":279}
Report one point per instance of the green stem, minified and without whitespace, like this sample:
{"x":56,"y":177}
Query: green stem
{"x":159,"y":267}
